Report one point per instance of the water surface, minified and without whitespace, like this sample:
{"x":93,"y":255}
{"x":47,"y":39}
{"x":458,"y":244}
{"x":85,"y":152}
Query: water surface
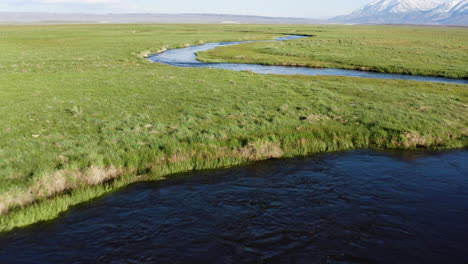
{"x":350,"y":207}
{"x":186,"y":57}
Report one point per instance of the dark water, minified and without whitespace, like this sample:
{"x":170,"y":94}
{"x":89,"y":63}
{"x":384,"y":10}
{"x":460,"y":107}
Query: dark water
{"x":186,"y":57}
{"x":353,"y":207}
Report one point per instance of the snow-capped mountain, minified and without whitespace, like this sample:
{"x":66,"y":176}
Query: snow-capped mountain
{"x":458,"y":14}
{"x":454,"y":12}
{"x":459,"y":7}
{"x":442,"y":11}
{"x":399,"y":6}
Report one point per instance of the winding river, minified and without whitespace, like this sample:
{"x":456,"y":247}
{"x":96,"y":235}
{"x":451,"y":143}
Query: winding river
{"x":186,"y":57}
{"x":345,"y":207}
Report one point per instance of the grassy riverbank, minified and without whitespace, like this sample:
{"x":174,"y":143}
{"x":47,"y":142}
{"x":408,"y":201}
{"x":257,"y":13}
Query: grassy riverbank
{"x":436,"y":51}
{"x":80,"y":106}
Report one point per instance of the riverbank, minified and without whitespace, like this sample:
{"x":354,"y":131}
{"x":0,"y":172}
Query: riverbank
{"x":315,"y":209}
{"x":187,"y":57}
{"x":92,"y":110}
{"x":423,"y":51}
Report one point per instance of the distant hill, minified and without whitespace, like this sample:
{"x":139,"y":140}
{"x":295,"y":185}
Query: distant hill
{"x":433,"y":12}
{"x":54,"y":18}
{"x":419,"y":12}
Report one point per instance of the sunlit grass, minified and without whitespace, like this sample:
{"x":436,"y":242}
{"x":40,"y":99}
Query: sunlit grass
{"x":429,"y":51}
{"x":80,"y":106}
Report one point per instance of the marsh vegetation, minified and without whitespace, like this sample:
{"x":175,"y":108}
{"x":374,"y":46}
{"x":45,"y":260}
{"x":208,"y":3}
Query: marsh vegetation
{"x":436,"y":51}
{"x":83,"y":113}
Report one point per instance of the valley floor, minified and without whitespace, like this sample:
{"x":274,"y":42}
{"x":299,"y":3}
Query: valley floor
{"x":83,"y":113}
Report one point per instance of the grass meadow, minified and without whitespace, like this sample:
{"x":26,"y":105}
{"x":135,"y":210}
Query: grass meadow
{"x":430,"y":51}
{"x":84,"y":114}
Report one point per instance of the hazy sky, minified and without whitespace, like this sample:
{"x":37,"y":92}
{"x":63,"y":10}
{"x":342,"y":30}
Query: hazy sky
{"x":292,"y":8}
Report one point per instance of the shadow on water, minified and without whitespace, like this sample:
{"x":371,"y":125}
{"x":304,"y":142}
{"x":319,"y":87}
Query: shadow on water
{"x":345,"y":207}
{"x":186,"y":57}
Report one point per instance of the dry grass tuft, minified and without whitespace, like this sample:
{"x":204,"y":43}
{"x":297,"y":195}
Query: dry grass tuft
{"x":413,"y":139}
{"x":59,"y":182}
{"x":178,"y":157}
{"x":51,"y":185}
{"x":261,"y":150}
{"x":302,"y":142}
{"x":3,"y":208}
{"x":313,"y":118}
{"x":96,"y":175}
{"x":465,"y":131}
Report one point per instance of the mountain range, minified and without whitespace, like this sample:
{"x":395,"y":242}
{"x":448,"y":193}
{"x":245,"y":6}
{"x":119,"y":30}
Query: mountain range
{"x":434,"y":12}
{"x":421,"y":12}
{"x":76,"y":18}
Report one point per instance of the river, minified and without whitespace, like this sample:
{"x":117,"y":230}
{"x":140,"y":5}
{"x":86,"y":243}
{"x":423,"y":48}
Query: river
{"x":344,"y":207}
{"x":186,"y":57}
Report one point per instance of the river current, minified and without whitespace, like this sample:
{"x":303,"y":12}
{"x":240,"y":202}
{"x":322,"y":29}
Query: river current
{"x":186,"y":57}
{"x":346,"y":207}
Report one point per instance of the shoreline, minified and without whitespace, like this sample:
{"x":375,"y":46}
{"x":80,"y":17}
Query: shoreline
{"x":214,"y":59}
{"x":94,"y":122}
{"x":53,"y":207}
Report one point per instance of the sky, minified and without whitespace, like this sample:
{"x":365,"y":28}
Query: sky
{"x":289,"y":8}
{"x":283,"y":8}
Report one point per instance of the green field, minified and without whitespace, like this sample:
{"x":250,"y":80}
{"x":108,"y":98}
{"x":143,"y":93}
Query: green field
{"x":83,"y":113}
{"x":407,"y":50}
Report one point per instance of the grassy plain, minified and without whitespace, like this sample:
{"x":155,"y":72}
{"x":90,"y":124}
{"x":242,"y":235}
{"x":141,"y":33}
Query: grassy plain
{"x":83,"y":113}
{"x":436,"y":51}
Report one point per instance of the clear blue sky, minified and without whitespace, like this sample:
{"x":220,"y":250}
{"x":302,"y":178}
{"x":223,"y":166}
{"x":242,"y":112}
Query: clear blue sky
{"x":291,"y":8}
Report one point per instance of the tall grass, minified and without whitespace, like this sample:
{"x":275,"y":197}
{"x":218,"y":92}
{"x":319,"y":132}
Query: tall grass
{"x":435,"y":51}
{"x":83,"y":114}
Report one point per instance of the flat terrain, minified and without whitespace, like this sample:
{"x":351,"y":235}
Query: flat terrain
{"x":80,"y":106}
{"x":436,"y":51}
